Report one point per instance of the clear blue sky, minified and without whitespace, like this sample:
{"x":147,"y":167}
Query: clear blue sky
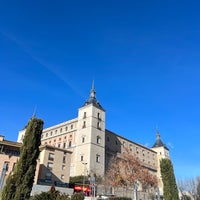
{"x":143,"y":55}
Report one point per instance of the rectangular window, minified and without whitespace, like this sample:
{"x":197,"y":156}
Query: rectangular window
{"x":97,"y":158}
{"x":83,"y":139}
{"x":98,"y":140}
{"x":51,"y":156}
{"x":6,"y":166}
{"x":124,"y":143}
{"x":82,"y":158}
{"x":64,"y":145}
{"x":84,"y":124}
{"x":98,"y":125}
{"x":63,"y":167}
{"x":64,"y":159}
{"x":50,"y":165}
{"x":84,"y":115}
{"x":62,"y":176}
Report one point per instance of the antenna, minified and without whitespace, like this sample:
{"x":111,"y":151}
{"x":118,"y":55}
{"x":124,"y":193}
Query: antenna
{"x":34,"y":112}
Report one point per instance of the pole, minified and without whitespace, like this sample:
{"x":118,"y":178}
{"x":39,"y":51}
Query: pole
{"x":135,"y":187}
{"x":84,"y":175}
{"x":92,"y":185}
{"x":158,"y":193}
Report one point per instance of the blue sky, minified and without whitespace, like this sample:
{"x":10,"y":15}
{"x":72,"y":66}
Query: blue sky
{"x":142,"y":55}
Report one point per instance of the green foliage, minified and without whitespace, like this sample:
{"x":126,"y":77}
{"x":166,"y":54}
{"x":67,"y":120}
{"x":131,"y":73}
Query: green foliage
{"x":78,"y":179}
{"x":52,"y":194}
{"x":42,"y":196}
{"x":116,"y":198}
{"x":19,"y":183}
{"x":168,"y":178}
{"x":77,"y":196}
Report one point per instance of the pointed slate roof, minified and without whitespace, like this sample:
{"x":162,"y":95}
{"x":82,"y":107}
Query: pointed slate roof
{"x":159,"y":142}
{"x":92,"y":99}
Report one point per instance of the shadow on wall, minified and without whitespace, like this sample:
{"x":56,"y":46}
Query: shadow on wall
{"x":47,"y":177}
{"x":113,"y":147}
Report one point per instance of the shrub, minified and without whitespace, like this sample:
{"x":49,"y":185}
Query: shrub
{"x":77,"y":196}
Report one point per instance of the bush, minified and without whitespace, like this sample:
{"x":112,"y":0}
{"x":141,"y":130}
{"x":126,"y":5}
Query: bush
{"x":77,"y":196}
{"x":52,"y":194}
{"x":119,"y":198}
{"x":42,"y":196}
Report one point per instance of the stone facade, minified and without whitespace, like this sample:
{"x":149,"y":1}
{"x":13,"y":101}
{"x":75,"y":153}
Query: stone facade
{"x":52,"y":166}
{"x":9,"y":154}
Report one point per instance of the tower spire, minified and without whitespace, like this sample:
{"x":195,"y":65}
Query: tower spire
{"x":92,"y":92}
{"x":159,"y":142}
{"x":92,"y":99}
{"x":157,"y":135}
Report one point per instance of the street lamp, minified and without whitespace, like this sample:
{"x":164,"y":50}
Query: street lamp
{"x":135,"y":187}
{"x":84,"y":163}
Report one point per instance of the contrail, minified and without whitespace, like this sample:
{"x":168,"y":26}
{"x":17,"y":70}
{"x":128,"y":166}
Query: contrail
{"x":41,"y":61}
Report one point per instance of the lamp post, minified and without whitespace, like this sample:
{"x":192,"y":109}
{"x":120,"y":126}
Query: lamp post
{"x":135,"y":187}
{"x":84,"y":163}
{"x":92,"y":186}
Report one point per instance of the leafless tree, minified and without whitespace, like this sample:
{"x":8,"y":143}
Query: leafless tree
{"x":190,"y":186}
{"x":125,"y":170}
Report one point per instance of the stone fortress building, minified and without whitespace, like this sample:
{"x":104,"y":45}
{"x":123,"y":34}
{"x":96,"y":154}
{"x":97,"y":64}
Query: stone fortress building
{"x":92,"y":145}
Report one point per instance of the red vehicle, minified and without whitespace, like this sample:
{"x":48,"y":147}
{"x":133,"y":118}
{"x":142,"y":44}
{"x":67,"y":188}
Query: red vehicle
{"x":85,"y":189}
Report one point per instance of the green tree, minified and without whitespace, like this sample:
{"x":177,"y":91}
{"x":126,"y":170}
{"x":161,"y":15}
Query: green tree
{"x":52,"y":194}
{"x":19,"y":184}
{"x":168,"y":178}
